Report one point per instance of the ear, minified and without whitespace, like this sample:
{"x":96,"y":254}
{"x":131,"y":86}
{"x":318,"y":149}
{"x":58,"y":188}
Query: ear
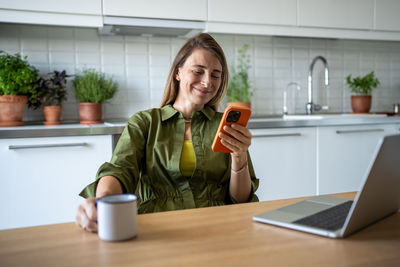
{"x":177,"y":77}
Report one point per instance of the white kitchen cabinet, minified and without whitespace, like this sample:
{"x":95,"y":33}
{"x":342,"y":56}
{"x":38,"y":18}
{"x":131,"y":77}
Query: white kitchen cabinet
{"x":387,"y":15}
{"x":42,"y":177}
{"x":274,"y":12}
{"x":86,"y":13}
{"x":345,"y":14}
{"x":344,"y":154}
{"x":396,"y":128}
{"x":172,"y":9}
{"x":285,"y":161}
{"x":345,"y":19}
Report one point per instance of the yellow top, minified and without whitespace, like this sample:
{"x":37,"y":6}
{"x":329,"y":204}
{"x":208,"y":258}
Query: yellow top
{"x":188,"y":159}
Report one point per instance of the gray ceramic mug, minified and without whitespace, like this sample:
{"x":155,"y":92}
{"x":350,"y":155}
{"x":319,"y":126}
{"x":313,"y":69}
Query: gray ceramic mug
{"x":116,"y":217}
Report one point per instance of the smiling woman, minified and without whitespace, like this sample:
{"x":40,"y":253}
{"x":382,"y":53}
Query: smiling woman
{"x":167,"y":150}
{"x":200,"y":79}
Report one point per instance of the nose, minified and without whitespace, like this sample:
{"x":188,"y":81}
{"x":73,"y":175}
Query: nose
{"x":206,"y":80}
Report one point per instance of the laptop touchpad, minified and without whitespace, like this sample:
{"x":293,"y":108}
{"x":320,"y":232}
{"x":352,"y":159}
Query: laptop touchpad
{"x":305,"y":208}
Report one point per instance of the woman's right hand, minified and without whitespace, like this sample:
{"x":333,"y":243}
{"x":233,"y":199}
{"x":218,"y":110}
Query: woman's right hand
{"x":86,"y":215}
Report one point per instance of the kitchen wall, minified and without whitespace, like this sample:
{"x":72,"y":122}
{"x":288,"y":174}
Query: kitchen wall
{"x":141,"y":64}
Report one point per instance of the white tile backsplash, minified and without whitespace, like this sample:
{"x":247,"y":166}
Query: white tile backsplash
{"x":33,"y":44}
{"x":141,"y":64}
{"x":61,"y":45}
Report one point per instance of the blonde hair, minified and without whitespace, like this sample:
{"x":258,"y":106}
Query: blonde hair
{"x":201,"y":41}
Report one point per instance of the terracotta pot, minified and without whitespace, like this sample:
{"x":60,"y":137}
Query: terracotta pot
{"x":12,"y":109}
{"x":91,"y":113}
{"x":240,"y":104}
{"x":52,"y":115}
{"x":361,"y":103}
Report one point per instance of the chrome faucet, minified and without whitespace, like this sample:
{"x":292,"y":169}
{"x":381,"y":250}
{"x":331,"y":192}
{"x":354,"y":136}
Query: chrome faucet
{"x":311,"y":107}
{"x":298,"y":87}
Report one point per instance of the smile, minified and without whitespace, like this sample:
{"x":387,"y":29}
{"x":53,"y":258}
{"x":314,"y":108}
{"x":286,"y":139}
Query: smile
{"x":202,"y":91}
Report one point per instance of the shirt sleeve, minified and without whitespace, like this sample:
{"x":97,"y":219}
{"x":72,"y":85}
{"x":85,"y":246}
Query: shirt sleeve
{"x":254,"y":181}
{"x":127,"y":158}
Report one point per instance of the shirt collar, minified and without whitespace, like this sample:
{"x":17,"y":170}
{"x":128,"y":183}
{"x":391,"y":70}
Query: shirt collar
{"x":168,"y":112}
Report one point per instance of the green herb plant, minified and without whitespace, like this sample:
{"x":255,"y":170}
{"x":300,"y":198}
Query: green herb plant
{"x":94,"y":87}
{"x":51,"y":90}
{"x":363,"y":85}
{"x":17,"y":76}
{"x":239,"y":85}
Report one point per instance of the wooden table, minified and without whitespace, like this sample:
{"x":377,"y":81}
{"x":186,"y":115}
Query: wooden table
{"x":218,"y":236}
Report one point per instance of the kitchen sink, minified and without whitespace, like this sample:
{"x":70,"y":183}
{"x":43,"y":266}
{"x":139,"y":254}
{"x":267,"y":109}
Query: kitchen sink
{"x":331,"y":116}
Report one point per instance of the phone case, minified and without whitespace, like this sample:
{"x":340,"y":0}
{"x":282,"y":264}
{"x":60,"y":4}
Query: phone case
{"x":242,"y":120}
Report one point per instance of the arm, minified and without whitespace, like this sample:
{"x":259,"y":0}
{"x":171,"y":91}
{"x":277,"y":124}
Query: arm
{"x":240,"y":183}
{"x":86,"y":215}
{"x":108,"y":185}
{"x":124,"y":164}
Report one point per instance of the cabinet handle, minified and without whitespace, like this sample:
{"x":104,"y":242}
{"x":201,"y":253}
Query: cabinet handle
{"x":45,"y":146}
{"x":277,"y":135}
{"x":359,"y":131}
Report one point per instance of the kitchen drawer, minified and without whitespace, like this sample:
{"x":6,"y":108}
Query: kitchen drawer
{"x":42,"y":177}
{"x":285,"y":162}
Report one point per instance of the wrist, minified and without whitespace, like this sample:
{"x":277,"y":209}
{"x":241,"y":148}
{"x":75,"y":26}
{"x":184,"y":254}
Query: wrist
{"x":242,"y":157}
{"x":241,"y":169}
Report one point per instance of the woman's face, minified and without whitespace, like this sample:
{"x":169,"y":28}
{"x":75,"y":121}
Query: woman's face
{"x":199,"y":78}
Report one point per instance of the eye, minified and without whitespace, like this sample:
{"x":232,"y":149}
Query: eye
{"x":216,"y":75}
{"x":198,"y":71}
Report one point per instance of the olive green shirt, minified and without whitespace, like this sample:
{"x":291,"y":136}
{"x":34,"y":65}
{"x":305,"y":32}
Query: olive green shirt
{"x":149,"y":152}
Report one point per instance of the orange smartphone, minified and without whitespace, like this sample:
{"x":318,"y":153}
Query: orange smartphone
{"x":232,"y":114}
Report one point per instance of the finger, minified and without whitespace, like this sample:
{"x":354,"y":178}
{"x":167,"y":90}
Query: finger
{"x":236,"y":136}
{"x":85,"y":223}
{"x":231,"y":140}
{"x":233,"y":144}
{"x":78,"y":219}
{"x":91,"y":214}
{"x":86,"y":216}
{"x":90,"y":208}
{"x":242,"y":135}
{"x":243,"y":130}
{"x":233,"y":148}
{"x":91,"y":227}
{"x":81,"y":217}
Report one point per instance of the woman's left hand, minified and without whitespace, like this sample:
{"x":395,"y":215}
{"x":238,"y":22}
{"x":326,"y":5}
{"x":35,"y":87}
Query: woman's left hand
{"x":240,"y":140}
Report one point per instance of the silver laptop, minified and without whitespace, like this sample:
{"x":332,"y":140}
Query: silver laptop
{"x":338,"y":217}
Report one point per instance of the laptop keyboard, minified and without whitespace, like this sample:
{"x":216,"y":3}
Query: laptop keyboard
{"x":330,"y":219}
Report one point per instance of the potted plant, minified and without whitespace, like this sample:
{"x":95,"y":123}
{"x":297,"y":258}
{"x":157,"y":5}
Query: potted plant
{"x":17,"y":81}
{"x":92,"y":88}
{"x":362,"y":88}
{"x":239,"y":92}
{"x":51,"y":92}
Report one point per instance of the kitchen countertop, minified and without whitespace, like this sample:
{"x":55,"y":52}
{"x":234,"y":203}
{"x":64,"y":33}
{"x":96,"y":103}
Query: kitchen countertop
{"x":115,"y":126}
{"x":67,"y":129}
{"x":321,"y":120}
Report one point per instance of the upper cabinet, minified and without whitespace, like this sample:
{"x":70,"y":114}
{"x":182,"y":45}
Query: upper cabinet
{"x":92,"y":7}
{"x":86,"y":13}
{"x":387,"y":15}
{"x":171,"y":9}
{"x":342,"y":14}
{"x":275,"y":12}
{"x":345,"y":19}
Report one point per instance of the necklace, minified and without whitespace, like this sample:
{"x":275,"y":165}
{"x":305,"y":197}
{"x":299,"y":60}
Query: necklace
{"x":187,"y":120}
